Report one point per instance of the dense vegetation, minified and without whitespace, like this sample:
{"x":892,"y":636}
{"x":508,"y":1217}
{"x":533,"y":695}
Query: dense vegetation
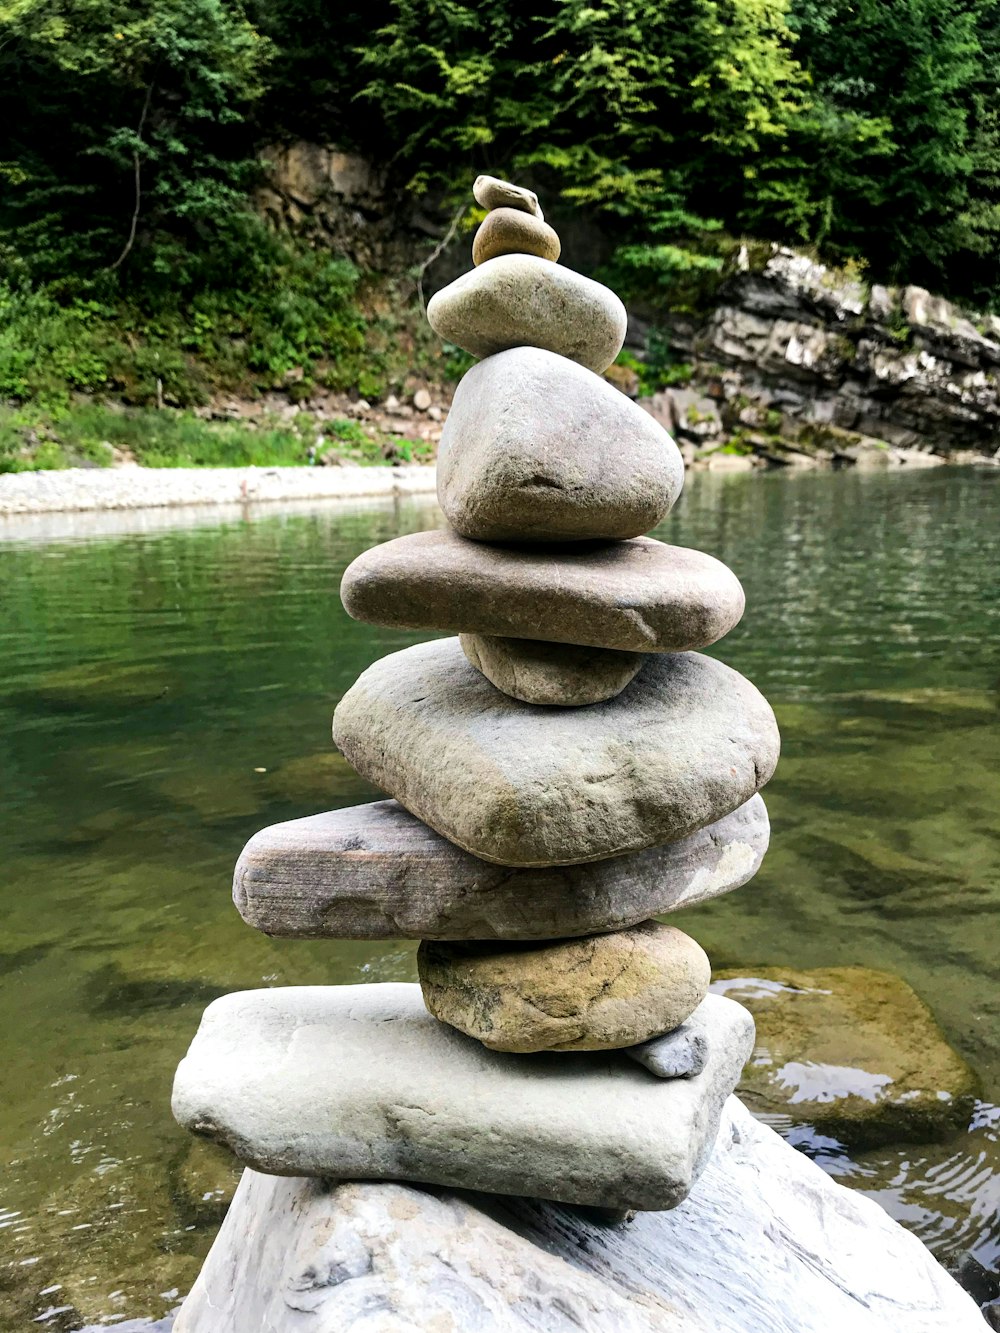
{"x":130,"y":133}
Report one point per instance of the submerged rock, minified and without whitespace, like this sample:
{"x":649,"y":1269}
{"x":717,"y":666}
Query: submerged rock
{"x":852,"y":1051}
{"x":687,"y":742}
{"x":362,"y":1082}
{"x":599,"y":993}
{"x":765,"y":1244}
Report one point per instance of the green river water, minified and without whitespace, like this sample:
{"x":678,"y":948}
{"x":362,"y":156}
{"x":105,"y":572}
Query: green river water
{"x":165,"y":693}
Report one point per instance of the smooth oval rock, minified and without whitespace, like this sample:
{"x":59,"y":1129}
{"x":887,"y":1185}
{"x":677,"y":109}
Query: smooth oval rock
{"x":510,"y":231}
{"x":376,"y":872}
{"x":537,"y":448}
{"x":524,"y":301}
{"x":594,"y":994}
{"x":362,"y":1083}
{"x":687,"y":742}
{"x":561,"y":675}
{"x":493,"y":192}
{"x":639,"y":596}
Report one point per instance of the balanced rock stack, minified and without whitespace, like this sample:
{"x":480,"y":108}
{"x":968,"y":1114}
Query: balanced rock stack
{"x":562,"y":772}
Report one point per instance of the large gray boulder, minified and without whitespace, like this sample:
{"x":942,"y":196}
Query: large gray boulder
{"x":524,"y":301}
{"x":687,"y":742}
{"x":376,"y":872}
{"x":363,"y":1083}
{"x":557,"y":675}
{"x":766,"y":1243}
{"x":602,"y":992}
{"x":537,"y":448}
{"x":640,"y":596}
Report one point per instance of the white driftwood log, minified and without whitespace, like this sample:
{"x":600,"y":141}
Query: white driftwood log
{"x":765,"y":1244}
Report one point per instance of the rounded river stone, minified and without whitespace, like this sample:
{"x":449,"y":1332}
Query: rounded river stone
{"x":560,"y":674}
{"x":593,"y":994}
{"x":537,"y":448}
{"x":376,"y":872}
{"x":524,"y":301}
{"x":638,"y":596}
{"x":492,"y":192}
{"x":510,"y":231}
{"x":687,"y":742}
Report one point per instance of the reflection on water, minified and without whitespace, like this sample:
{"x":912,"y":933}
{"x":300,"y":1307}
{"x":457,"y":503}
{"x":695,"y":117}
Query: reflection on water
{"x":166,"y":693}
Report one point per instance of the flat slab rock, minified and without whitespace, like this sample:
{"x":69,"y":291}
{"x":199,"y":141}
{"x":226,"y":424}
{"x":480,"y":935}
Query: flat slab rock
{"x":537,"y":448}
{"x":361,"y":1082}
{"x":377,"y":872}
{"x":766,"y":1243}
{"x":525,"y":301}
{"x":641,"y":596}
{"x":687,"y":742}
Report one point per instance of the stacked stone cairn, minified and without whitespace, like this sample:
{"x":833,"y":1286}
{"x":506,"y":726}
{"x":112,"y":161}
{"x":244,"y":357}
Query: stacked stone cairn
{"x":564,"y":771}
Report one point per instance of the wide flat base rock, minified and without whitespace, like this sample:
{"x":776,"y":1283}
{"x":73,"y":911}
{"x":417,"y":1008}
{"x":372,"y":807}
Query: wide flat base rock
{"x":687,"y":742}
{"x":766,"y":1243}
{"x":377,"y":872}
{"x":639,"y":596}
{"x":361,"y":1082}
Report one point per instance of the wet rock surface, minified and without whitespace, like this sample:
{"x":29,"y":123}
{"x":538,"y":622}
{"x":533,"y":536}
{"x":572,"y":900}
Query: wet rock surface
{"x":852,"y":1051}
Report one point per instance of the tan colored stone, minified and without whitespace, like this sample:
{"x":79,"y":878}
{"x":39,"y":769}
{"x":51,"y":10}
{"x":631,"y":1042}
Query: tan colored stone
{"x":594,"y":994}
{"x":492,"y":192}
{"x":559,"y":674}
{"x":509,"y":231}
{"x":852,"y":1051}
{"x":524,"y":301}
{"x":639,"y":596}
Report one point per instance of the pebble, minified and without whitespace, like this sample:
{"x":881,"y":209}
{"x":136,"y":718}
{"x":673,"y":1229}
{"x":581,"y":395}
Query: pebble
{"x":593,"y":994}
{"x":421,"y":400}
{"x":687,"y":742}
{"x":556,"y":674}
{"x":682,"y":1053}
{"x":509,"y":231}
{"x":537,"y":448}
{"x":492,"y":192}
{"x":524,"y":301}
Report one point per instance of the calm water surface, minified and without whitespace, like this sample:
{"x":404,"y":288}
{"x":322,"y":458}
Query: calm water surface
{"x":164,"y":695}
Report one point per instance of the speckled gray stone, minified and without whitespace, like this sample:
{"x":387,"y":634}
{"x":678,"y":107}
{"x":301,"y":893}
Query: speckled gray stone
{"x":361,"y":1083}
{"x":639,"y":596}
{"x":493,"y":192}
{"x":678,"y":1054}
{"x":510,"y":231}
{"x":602,"y":992}
{"x":687,"y":742}
{"x":376,"y":872}
{"x":561,"y":675}
{"x":524,"y":301}
{"x":537,"y":448}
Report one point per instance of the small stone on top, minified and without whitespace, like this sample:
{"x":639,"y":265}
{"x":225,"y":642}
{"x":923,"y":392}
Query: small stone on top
{"x":492,"y":192}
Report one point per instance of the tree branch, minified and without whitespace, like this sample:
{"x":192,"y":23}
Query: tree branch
{"x":441,"y":245}
{"x":137,"y":164}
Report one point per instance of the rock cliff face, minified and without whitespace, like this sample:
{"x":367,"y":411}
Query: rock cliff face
{"x":797,"y":361}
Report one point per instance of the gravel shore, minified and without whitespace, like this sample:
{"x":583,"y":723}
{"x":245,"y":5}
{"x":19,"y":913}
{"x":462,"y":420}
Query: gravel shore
{"x":80,"y":489}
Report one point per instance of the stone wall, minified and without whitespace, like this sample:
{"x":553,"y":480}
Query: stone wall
{"x":796,"y":361}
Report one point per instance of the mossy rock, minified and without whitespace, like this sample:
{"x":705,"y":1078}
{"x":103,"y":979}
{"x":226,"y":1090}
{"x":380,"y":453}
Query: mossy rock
{"x":203,"y":1183}
{"x":852,"y":1051}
